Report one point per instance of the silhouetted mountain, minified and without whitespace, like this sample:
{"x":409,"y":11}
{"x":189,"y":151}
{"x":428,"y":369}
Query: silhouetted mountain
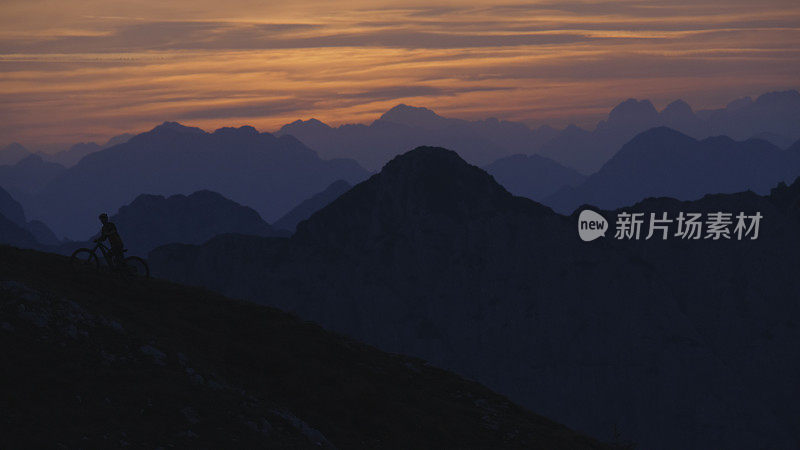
{"x":777,"y":113}
{"x":587,"y":151}
{"x":414,"y":116}
{"x":774,"y":117}
{"x":431,"y":257}
{"x":663,"y":162}
{"x":308,"y":207}
{"x":75,"y":153}
{"x":404,"y":127}
{"x":631,"y":115}
{"x":42,"y":233}
{"x":72,"y":155}
{"x":152,"y":364}
{"x":533,"y":176}
{"x":13,"y":234}
{"x":152,"y":220}
{"x":29,"y":175}
{"x":12,"y":154}
{"x":10,"y":208}
{"x":794,"y":148}
{"x":118,"y":139}
{"x":775,"y":139}
{"x":678,"y":115}
{"x":574,"y":147}
{"x":16,"y":230}
{"x":267,"y":173}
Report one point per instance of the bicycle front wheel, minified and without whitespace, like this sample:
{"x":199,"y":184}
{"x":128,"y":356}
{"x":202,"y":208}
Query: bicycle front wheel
{"x":84,"y":259}
{"x":137,"y":267}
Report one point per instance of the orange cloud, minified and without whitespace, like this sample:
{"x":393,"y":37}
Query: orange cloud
{"x":90,"y":69}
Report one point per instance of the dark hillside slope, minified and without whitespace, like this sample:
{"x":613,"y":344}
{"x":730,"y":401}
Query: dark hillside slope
{"x":91,"y":362}
{"x":673,"y":344}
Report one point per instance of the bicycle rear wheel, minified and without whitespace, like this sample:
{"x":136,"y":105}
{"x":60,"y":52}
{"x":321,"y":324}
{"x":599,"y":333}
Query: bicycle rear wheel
{"x":84,"y":260}
{"x":137,"y":267}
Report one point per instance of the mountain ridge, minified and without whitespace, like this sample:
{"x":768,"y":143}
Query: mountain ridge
{"x":775,"y":116}
{"x":270,"y":174}
{"x":665,"y":162}
{"x":150,"y":221}
{"x":431,"y":257}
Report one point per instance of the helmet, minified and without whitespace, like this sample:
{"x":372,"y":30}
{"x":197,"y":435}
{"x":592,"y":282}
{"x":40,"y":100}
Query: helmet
{"x":103,"y":216}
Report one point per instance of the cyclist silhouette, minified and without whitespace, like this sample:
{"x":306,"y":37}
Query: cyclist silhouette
{"x":109,"y":231}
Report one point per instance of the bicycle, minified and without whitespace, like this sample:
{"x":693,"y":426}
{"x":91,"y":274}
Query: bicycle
{"x":86,"y":258}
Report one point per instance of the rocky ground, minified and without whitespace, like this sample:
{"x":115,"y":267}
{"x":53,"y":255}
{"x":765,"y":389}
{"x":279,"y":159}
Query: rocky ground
{"x":90,"y":361}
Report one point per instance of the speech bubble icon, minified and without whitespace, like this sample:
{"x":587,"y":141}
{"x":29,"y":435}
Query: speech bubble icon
{"x":591,"y":225}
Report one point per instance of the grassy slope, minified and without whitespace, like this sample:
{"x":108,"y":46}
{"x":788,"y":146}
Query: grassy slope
{"x":93,"y":361}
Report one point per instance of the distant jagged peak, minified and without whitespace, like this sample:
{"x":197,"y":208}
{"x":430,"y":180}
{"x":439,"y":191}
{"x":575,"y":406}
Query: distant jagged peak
{"x":678,"y":108}
{"x":545,"y":129}
{"x":118,"y":139}
{"x":175,"y":127}
{"x":13,"y":153}
{"x":14,"y":146}
{"x":244,"y":130}
{"x":573,"y":129}
{"x":303,"y":126}
{"x":37,"y":160}
{"x":787,"y":97}
{"x":414,"y":116}
{"x":85,"y":146}
{"x":32,"y":159}
{"x":312,"y":122}
{"x":739,"y":103}
{"x":632,"y":111}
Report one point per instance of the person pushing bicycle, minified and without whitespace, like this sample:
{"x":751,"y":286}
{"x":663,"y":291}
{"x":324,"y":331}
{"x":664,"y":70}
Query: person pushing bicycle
{"x":109,"y":231}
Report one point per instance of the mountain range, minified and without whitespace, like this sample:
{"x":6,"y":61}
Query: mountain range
{"x":662,"y":162}
{"x":311,"y":205}
{"x":153,"y":220}
{"x":146,"y":223}
{"x":29,"y":175}
{"x":92,"y":361}
{"x":76,"y":152}
{"x":404,"y":127}
{"x":533,"y":176}
{"x":15,"y":152}
{"x":16,"y":230}
{"x":678,"y":344}
{"x":773,"y":116}
{"x":12,"y":154}
{"x":270,"y":174}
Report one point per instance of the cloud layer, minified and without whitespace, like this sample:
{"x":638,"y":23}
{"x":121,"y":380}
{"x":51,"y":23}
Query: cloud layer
{"x":87,"y":70}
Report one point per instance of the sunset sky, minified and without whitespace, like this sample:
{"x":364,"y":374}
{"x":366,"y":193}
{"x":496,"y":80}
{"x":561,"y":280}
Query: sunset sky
{"x":86,"y":70}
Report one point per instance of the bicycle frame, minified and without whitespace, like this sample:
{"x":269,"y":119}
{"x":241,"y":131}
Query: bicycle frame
{"x":106,"y":252}
{"x":126,"y":266}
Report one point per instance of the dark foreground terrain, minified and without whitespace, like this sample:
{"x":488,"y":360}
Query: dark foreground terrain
{"x":673,"y":344}
{"x":90,"y":361}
